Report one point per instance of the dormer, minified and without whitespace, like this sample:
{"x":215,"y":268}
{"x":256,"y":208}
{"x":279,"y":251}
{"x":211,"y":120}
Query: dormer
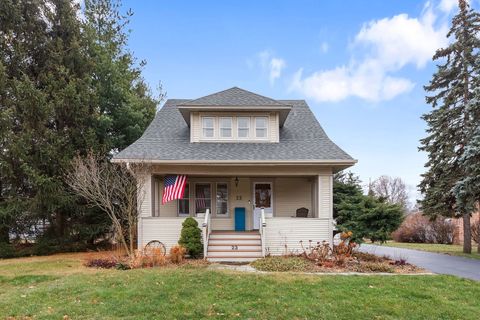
{"x":234,"y":115}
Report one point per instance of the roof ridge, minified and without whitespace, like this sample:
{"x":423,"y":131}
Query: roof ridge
{"x":200,"y":101}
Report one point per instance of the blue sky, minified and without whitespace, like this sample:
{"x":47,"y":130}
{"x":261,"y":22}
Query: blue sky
{"x":360,"y":65}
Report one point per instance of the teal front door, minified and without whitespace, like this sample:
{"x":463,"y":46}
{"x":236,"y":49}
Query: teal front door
{"x":240,"y":218}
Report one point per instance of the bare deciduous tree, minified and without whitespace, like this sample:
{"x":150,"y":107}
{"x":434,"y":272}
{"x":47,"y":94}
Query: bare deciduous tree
{"x":393,"y":190}
{"x":112,"y":188}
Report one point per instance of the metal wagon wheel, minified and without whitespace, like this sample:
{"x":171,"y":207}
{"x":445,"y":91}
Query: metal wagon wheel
{"x":155,"y":248}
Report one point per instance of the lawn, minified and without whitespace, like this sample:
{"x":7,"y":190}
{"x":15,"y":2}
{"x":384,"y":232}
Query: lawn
{"x":451,"y":249}
{"x":59,"y":287}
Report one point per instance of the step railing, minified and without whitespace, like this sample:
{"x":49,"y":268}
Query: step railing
{"x":206,"y":232}
{"x":263,"y":225}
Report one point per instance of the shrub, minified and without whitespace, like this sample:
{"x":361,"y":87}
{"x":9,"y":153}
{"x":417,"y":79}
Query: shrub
{"x":105,"y":263}
{"x":142,"y":260}
{"x":442,"y":231}
{"x":367,"y":257}
{"x":7,"y":250}
{"x":177,"y":254}
{"x":374,"y":267}
{"x":419,"y":229}
{"x":282,"y":264}
{"x":191,"y":238}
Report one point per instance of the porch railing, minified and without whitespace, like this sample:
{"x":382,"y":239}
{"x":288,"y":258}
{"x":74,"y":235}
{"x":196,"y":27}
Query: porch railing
{"x":206,"y":226}
{"x":263,"y":225}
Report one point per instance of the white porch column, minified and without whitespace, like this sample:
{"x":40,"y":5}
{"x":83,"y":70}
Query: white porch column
{"x":325,"y":201}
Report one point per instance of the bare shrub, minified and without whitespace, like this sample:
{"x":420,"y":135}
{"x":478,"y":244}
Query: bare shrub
{"x":417,"y":228}
{"x":442,"y":230}
{"x":142,"y":260}
{"x":112,"y":188}
{"x":413,"y":229}
{"x":177,"y":254}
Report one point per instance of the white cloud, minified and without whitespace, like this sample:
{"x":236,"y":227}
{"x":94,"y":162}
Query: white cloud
{"x":381,"y":48}
{"x":276,"y":67}
{"x":324,"y":46}
{"x":448,"y":6}
{"x":269,"y":64}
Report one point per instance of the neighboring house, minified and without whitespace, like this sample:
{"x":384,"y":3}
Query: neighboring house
{"x":458,"y":222}
{"x":242,"y":153}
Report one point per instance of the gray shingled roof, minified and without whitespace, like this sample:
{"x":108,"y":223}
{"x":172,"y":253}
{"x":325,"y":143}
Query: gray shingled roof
{"x":233,"y":97}
{"x":168,"y":138}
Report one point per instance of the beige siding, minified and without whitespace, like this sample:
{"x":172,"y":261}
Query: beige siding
{"x":166,"y":230}
{"x":145,"y":196}
{"x":195,"y":127}
{"x":290,"y":194}
{"x":168,"y":209}
{"x":274,"y":127}
{"x":283,"y":235}
{"x":325,"y":196}
{"x":223,"y":223}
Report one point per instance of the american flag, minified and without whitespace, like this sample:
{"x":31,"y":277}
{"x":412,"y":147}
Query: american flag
{"x":173,"y":188}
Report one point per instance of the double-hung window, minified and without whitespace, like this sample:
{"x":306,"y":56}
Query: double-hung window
{"x":261,"y":127}
{"x":225,"y":127}
{"x":184,"y":203}
{"x":208,"y":127}
{"x":243,"y":127}
{"x":222,"y":200}
{"x":203,"y":197}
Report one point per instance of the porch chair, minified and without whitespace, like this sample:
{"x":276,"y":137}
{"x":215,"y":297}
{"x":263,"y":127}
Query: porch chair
{"x":302,"y":213}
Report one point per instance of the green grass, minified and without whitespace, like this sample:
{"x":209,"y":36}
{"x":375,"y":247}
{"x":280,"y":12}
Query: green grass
{"x":451,"y":249}
{"x":50,"y":288}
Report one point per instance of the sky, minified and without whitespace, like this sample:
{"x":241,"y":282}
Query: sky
{"x":360,"y":64}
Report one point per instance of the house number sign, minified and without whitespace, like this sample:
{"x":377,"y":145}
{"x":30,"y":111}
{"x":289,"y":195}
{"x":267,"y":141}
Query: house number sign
{"x":234,"y":247}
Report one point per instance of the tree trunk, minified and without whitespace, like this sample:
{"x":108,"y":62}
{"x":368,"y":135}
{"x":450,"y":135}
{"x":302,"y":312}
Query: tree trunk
{"x":467,"y":234}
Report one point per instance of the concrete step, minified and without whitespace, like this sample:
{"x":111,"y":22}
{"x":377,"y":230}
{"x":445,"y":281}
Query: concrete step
{"x":232,"y":259}
{"x":236,"y":236}
{"x":235,"y":241}
{"x":252,"y":247}
{"x":234,"y":254}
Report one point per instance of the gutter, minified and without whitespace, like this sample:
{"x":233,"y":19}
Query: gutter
{"x":239,"y":162}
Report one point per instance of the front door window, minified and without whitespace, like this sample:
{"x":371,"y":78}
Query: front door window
{"x":263,"y":195}
{"x":263,"y":199}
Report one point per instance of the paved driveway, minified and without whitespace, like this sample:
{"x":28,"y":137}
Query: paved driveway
{"x":435,"y":262}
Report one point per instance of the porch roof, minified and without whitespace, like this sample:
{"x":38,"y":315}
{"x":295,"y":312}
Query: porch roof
{"x":302,"y":140}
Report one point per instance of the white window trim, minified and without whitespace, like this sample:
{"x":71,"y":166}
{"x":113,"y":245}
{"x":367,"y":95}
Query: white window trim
{"x":249,"y":122}
{"x":266,"y":128}
{"x":189,"y":204}
{"x":214,"y":127}
{"x":220,"y":128}
{"x":227,"y":215}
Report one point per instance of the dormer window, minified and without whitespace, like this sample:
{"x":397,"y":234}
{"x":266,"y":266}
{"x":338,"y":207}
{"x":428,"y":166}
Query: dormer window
{"x":208,"y":127}
{"x":243,"y":127}
{"x":261,"y":127}
{"x":225,"y":124}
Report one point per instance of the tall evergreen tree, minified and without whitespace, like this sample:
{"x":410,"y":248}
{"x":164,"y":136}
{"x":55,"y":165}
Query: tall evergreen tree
{"x":450,"y":124}
{"x":66,"y":88}
{"x":467,"y":190}
{"x":125,"y":102}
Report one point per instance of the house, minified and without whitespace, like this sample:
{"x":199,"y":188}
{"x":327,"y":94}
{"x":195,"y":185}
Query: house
{"x":251,"y":162}
{"x":458,"y":224}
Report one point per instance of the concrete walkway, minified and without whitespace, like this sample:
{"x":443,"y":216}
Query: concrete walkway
{"x":435,"y":262}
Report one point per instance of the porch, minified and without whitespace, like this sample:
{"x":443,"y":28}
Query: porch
{"x":240,"y":205}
